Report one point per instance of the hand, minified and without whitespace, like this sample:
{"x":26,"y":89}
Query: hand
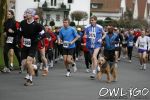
{"x":100,"y":40}
{"x":71,"y":43}
{"x":10,"y":30}
{"x":5,"y":34}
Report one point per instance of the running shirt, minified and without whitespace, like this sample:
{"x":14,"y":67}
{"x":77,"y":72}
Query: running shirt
{"x":10,"y":24}
{"x":130,"y":41}
{"x":117,"y":45}
{"x":31,"y":33}
{"x":67,"y":35}
{"x":111,"y":41}
{"x":143,"y":42}
{"x":94,"y":34}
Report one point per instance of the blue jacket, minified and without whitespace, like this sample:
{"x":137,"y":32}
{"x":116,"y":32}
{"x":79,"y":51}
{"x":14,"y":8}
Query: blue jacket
{"x":111,"y":41}
{"x":130,"y":41}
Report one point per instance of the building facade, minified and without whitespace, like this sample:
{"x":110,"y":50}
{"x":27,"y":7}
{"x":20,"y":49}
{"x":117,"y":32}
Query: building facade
{"x":53,"y":10}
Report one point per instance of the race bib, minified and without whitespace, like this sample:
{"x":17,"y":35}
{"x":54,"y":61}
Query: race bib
{"x":92,"y":46}
{"x":10,"y":39}
{"x":27,"y":42}
{"x":131,"y":43}
{"x":124,"y":42}
{"x":66,"y":44}
{"x":92,"y":35}
{"x":117,"y":45}
{"x":141,"y":46}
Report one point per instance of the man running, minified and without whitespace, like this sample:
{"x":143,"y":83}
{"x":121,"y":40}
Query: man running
{"x":68,"y":35}
{"x":143,"y":46}
{"x":31,"y":32}
{"x":95,"y":34}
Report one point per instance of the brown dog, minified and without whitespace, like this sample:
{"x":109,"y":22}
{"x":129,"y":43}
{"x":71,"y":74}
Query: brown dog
{"x":105,"y":68}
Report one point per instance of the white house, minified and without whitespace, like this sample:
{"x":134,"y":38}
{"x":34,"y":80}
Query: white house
{"x":53,"y":9}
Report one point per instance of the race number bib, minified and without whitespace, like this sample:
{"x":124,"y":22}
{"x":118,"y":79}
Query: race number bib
{"x":141,"y":46}
{"x":131,"y":43}
{"x":10,"y":39}
{"x":92,"y":35}
{"x":117,"y":45}
{"x":92,"y":46}
{"x":66,"y":44}
{"x":27,"y":42}
{"x":124,"y":42}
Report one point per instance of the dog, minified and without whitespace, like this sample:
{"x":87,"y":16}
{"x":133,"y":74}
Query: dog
{"x":105,"y":67}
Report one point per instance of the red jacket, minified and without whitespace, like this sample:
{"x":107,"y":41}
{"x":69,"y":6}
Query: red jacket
{"x":53,"y":39}
{"x":137,"y":34}
{"x":84,"y":44}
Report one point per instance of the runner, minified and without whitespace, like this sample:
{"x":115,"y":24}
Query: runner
{"x":110,"y":41}
{"x":117,"y":45}
{"x":10,"y":32}
{"x":87,"y":55}
{"x":95,"y":34}
{"x":50,"y":38}
{"x":124,"y":43}
{"x":68,"y":36}
{"x":143,"y":46}
{"x":31,"y":32}
{"x":42,"y":50}
{"x":130,"y":44}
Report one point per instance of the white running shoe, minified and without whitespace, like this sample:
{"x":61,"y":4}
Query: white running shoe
{"x":27,"y":76}
{"x":4,"y":69}
{"x":68,"y":74}
{"x":8,"y":70}
{"x":52,"y":64}
{"x":77,"y":59}
{"x":74,"y":67}
{"x":141,"y":67}
{"x":144,"y":66}
{"x":41,"y":66}
{"x":87,"y":70}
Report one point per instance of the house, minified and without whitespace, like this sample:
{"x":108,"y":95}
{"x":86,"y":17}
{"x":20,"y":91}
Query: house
{"x":106,"y":8}
{"x":116,"y":9}
{"x":53,"y":10}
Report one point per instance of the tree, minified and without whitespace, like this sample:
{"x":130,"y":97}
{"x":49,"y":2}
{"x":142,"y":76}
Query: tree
{"x":128,"y":14}
{"x":52,"y":23}
{"x":72,"y":24}
{"x":3,"y":15}
{"x":79,"y":15}
{"x":39,"y":12}
{"x":3,"y":12}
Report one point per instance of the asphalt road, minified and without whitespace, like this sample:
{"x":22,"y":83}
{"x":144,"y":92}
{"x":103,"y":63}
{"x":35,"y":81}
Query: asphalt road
{"x":56,"y":86}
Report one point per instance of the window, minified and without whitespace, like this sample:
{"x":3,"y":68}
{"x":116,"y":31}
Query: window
{"x":48,"y":16}
{"x":55,"y":2}
{"x":36,"y":0}
{"x":70,"y":1}
{"x":57,"y":17}
{"x":51,"y":2}
{"x":94,"y":6}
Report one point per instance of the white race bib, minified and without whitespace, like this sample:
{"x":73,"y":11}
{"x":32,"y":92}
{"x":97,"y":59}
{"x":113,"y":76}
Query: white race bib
{"x":10,"y":39}
{"x":131,"y":43}
{"x":117,"y":45}
{"x":27,"y":42}
{"x":124,"y":42}
{"x":66,"y":44}
{"x":141,"y":46}
{"x":92,"y":35}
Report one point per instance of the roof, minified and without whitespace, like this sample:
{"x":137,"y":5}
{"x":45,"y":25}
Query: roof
{"x":111,"y":6}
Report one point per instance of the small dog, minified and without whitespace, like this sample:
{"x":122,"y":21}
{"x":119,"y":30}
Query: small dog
{"x":105,"y":68}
